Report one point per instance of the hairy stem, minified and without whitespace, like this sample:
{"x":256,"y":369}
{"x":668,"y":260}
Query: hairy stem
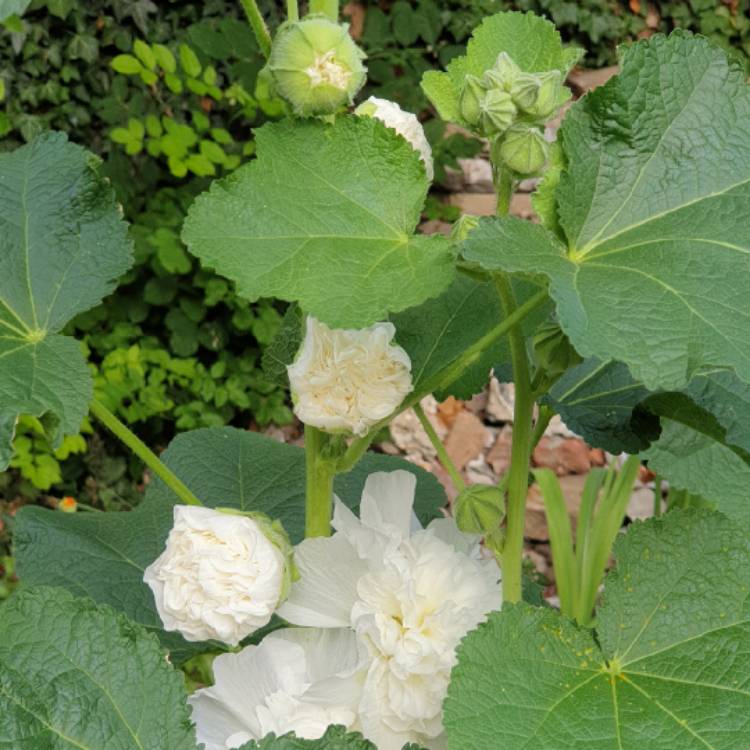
{"x":518,"y":474}
{"x":504,"y":184}
{"x":319,"y":474}
{"x":442,"y":379}
{"x":132,"y":441}
{"x":437,"y":444}
{"x":258,"y":26}
{"x":292,"y":10}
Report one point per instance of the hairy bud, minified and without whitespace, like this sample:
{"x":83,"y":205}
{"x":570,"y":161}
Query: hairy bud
{"x":479,"y":509}
{"x":315,"y":66}
{"x":522,"y":149}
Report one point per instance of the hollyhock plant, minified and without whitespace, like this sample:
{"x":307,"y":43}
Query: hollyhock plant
{"x":410,"y":595}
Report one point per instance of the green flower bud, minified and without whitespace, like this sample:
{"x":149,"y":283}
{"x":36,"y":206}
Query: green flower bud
{"x":470,"y":100}
{"x":502,"y":74}
{"x":550,"y":97}
{"x":463,"y":226}
{"x":497,"y":112}
{"x":523,"y":149}
{"x":316,"y":66}
{"x":525,"y":91}
{"x":479,"y":509}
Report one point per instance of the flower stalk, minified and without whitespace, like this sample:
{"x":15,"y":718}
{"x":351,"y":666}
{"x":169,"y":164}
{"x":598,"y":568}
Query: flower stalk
{"x":132,"y":441}
{"x":258,"y":25}
{"x":437,"y":444}
{"x":319,"y":474}
{"x":518,"y":474}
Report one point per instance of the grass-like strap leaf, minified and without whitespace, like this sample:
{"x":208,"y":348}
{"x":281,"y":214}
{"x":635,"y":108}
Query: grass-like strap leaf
{"x":668,"y":666}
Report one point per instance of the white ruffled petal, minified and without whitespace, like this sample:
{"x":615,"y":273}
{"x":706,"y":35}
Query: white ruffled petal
{"x":329,"y":569}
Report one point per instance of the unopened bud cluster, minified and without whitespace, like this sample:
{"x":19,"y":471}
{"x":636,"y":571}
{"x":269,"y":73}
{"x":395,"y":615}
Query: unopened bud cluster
{"x":510,"y":107}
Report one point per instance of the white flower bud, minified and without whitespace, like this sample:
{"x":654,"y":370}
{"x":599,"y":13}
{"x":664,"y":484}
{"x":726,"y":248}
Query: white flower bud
{"x":347,"y":380}
{"x":220,"y":577}
{"x":405,"y":124}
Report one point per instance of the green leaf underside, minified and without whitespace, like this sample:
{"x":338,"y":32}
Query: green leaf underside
{"x":63,"y":244}
{"x":655,"y":205}
{"x":672,"y":668}
{"x":324,"y":216}
{"x":335,"y":738}
{"x":438,"y":331}
{"x":74,"y":675}
{"x":532,"y":42}
{"x":691,"y":460}
{"x":104,"y":555}
{"x":704,"y":442}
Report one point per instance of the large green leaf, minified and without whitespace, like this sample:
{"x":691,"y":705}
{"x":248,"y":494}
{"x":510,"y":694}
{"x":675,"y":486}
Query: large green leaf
{"x":531,"y":41}
{"x":691,"y":460}
{"x":668,"y":666}
{"x":335,"y":738}
{"x":438,"y":331}
{"x":655,"y":205}
{"x":325,"y":216}
{"x":104,"y":555}
{"x":77,"y":676}
{"x":62,"y":246}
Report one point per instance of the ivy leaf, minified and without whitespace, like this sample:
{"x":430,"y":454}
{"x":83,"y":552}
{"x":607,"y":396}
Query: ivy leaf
{"x":654,"y":204}
{"x":104,"y":555}
{"x":440,"y":330}
{"x":532,"y":42}
{"x":62,"y":246}
{"x":335,"y":738}
{"x":10,"y":8}
{"x":83,"y":676}
{"x":667,"y":667}
{"x":324,"y":216}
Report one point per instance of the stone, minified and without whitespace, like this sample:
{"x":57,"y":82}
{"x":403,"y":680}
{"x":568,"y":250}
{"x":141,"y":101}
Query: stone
{"x":410,"y":438}
{"x":467,"y":439}
{"x":641,"y":504}
{"x":500,"y":401}
{"x":588,"y":80}
{"x":475,"y":204}
{"x":562,"y":455}
{"x":499,"y":455}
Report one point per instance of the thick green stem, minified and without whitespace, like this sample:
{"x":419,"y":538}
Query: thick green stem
{"x":504,"y":184}
{"x":319,"y":475}
{"x":258,"y":26}
{"x":112,"y":423}
{"x":442,"y":379}
{"x":292,"y":10}
{"x":518,"y":474}
{"x":328,"y":8}
{"x":437,"y":444}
